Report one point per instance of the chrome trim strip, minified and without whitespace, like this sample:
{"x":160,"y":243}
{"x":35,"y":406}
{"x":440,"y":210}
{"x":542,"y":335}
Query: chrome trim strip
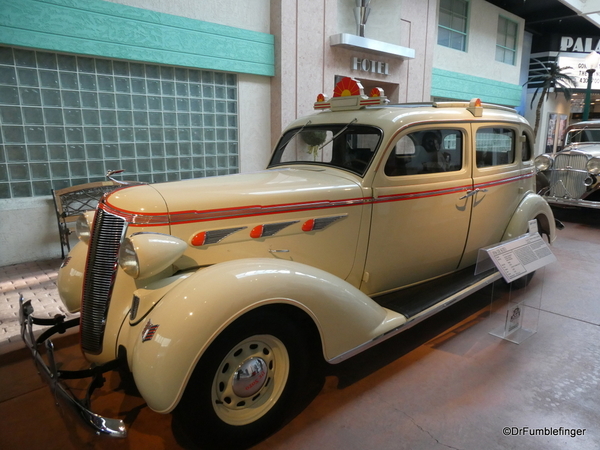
{"x":504,"y":181}
{"x":323,"y":222}
{"x":181,"y":217}
{"x":271,"y":229}
{"x":200,"y":216}
{"x":137,"y":219}
{"x":418,"y":318}
{"x":216,"y":236}
{"x":415,"y":195}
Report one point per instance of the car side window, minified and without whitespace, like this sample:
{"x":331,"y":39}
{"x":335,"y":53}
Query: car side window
{"x":494,"y":147}
{"x":347,"y":146}
{"x":427,"y":151}
{"x":526,"y":149}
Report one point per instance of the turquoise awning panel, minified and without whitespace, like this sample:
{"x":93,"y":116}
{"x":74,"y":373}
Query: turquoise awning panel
{"x":105,"y":29}
{"x":459,"y":86}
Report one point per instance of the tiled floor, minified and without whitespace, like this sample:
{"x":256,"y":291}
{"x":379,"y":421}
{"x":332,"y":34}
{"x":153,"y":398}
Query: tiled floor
{"x":36,"y":281}
{"x":445,"y":384}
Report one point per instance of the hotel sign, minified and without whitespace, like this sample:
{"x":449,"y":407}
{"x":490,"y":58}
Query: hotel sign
{"x":369,"y":65}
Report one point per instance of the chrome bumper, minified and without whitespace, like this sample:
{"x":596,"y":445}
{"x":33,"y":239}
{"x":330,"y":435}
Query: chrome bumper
{"x":54,"y":376}
{"x":571,"y":202}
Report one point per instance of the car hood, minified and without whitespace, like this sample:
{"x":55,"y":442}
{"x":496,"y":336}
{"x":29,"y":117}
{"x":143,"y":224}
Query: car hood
{"x":239,"y":195}
{"x":592,"y":149}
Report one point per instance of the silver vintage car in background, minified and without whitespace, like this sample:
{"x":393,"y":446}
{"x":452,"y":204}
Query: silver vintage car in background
{"x":570,"y":177}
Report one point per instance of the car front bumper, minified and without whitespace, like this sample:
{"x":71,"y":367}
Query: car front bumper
{"x":561,"y":201}
{"x":50,"y":372}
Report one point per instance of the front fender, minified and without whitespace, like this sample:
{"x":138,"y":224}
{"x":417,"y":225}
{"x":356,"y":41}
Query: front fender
{"x":531,"y":207}
{"x":190,"y":317}
{"x":70,"y":277}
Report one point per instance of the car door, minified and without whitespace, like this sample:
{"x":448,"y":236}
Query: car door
{"x":500,"y":181}
{"x":420,"y":217}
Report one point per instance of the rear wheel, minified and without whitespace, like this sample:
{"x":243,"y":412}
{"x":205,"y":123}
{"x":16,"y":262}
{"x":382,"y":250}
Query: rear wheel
{"x":249,"y":383}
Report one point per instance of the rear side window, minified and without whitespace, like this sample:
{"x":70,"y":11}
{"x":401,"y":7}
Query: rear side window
{"x":427,"y":151}
{"x":526,"y":149}
{"x":494,"y":147}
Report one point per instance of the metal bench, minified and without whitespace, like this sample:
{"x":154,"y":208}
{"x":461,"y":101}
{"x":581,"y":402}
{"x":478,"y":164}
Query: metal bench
{"x":70,"y":202}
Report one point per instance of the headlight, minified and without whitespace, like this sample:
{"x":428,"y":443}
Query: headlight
{"x":593,"y":166}
{"x":83,"y":226}
{"x":145,"y":254}
{"x":128,"y":259}
{"x":589,"y":181}
{"x":543,"y":162}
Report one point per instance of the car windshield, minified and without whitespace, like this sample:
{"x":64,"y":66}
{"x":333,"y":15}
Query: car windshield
{"x":346,"y":146}
{"x":583,"y":135}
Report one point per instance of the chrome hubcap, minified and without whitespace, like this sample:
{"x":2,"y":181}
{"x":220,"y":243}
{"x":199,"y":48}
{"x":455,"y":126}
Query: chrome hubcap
{"x":250,"y":380}
{"x":250,"y":377}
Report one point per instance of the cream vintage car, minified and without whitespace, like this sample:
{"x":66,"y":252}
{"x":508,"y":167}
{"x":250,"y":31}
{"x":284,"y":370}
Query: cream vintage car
{"x":223,"y":296}
{"x":571,"y":177}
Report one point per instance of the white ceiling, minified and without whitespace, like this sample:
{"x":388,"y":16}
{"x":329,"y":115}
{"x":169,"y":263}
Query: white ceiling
{"x":590,"y":9}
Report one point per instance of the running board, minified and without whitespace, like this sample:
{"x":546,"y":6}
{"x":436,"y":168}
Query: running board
{"x":421,"y":316}
{"x":413,"y":300}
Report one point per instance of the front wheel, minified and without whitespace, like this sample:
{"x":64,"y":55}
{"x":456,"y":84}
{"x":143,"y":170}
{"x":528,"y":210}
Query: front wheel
{"x":250,"y":381}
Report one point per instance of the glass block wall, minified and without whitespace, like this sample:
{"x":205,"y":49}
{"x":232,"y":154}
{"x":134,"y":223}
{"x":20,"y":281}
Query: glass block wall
{"x":66,"y":120}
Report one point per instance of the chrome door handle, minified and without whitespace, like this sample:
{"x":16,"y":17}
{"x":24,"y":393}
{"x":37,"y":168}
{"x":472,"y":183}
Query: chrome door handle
{"x":472,"y":193}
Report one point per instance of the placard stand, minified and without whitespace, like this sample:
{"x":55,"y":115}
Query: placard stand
{"x":517,"y":260}
{"x":522,"y":312}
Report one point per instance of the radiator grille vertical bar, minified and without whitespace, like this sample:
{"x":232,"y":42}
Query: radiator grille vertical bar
{"x":568,"y":175}
{"x":100,"y":272}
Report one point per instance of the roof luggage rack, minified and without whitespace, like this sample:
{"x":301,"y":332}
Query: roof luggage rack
{"x":475,"y":106}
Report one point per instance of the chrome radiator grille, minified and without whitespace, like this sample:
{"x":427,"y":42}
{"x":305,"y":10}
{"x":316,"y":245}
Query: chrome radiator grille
{"x":99,"y":278}
{"x":567,"y":176}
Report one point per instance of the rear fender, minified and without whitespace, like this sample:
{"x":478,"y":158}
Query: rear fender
{"x":196,"y":310}
{"x":531,"y":207}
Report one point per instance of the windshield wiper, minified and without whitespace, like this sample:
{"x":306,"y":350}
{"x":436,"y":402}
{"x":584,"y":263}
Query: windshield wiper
{"x":575,"y":135}
{"x":338,"y":133}
{"x":295,"y":134}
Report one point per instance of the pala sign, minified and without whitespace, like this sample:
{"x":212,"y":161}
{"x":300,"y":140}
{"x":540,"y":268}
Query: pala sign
{"x":579,"y":44}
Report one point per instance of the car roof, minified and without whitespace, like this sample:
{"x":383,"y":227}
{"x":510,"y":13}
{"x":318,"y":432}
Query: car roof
{"x":350,"y":104}
{"x":393,"y":117}
{"x":586,"y":123}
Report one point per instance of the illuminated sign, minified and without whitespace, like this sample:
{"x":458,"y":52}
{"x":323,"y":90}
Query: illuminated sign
{"x":578,"y":70}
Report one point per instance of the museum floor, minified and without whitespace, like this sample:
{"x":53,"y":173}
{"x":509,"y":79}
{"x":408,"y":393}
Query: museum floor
{"x":444,"y":384}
